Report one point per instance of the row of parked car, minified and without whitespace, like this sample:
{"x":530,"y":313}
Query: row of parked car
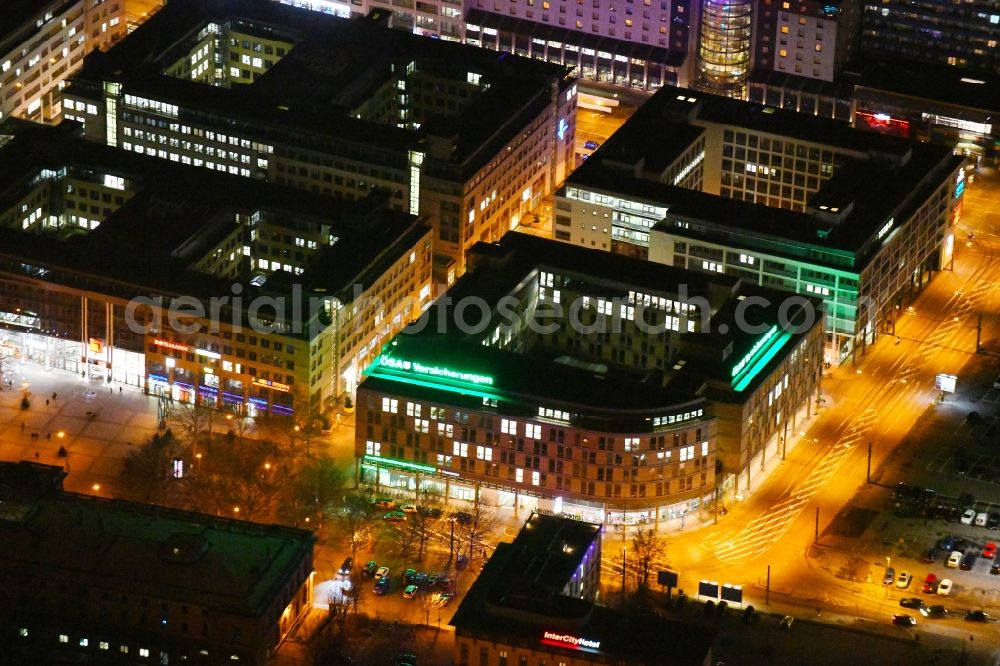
{"x":962,"y":554}
{"x":961,"y":510}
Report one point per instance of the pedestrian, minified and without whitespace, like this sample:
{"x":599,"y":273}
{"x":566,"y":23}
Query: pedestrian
{"x":48,"y":436}
{"x":111,"y":390}
{"x":53,"y":396}
{"x":46,"y":402}
{"x":36,"y":455}
{"x":22,"y":427}
{"x":119,"y":390}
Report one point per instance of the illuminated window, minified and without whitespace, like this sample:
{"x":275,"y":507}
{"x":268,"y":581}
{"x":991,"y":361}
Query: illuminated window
{"x":63,"y":638}
{"x":413,"y":409}
{"x":461,"y":449}
{"x":484,"y":453}
{"x":784,"y":29}
{"x":783,"y":53}
{"x":519,"y":475}
{"x":508,"y":427}
{"x":532,"y":431}
{"x":373,"y":448}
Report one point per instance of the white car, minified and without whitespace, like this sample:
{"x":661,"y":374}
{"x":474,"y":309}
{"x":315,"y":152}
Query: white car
{"x":944,"y":587}
{"x":968,"y":516}
{"x":981,"y":519}
{"x":954,"y":559}
{"x":903,"y":580}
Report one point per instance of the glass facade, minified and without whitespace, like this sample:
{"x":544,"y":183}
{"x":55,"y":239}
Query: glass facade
{"x":724,"y":47}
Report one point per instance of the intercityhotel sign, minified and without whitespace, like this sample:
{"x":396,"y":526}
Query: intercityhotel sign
{"x":570,"y":641}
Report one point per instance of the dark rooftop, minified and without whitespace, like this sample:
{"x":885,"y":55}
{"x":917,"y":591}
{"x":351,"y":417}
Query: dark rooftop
{"x":548,"y":549}
{"x":492,"y":611}
{"x":950,"y":87}
{"x":332,"y":66}
{"x":17,"y":20}
{"x":176,"y":215}
{"x":132,"y":548}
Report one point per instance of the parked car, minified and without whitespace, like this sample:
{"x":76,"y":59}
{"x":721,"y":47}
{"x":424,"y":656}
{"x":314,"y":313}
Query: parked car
{"x":395,"y":516}
{"x":384,"y":503}
{"x":345,"y":568}
{"x":890,"y":575}
{"x":995,"y":569}
{"x":977,"y":616}
{"x":442,"y":598}
{"x":409,"y":508}
{"x":381,"y":586}
{"x":930,"y":584}
{"x":968,"y":561}
{"x":933,"y":611}
{"x":409,"y":575}
{"x":954,"y":559}
{"x":982,"y":518}
{"x":410,"y":591}
{"x":993,"y":521}
{"x":904,"y":620}
{"x":944,"y":587}
{"x":968,"y":516}
{"x":419,"y":578}
{"x":369,"y":569}
{"x":591,"y":145}
{"x":912,"y":602}
{"x":989,"y":550}
{"x":903,"y":580}
{"x":463,"y":518}
{"x":429,"y":511}
{"x":382,"y":572}
{"x":929,"y":555}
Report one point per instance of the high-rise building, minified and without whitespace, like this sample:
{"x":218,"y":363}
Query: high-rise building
{"x":783,"y":199}
{"x":962,"y":34}
{"x":806,"y":38}
{"x":43,"y":43}
{"x":724,"y":38}
{"x":468,"y":138}
{"x":94,"y":580}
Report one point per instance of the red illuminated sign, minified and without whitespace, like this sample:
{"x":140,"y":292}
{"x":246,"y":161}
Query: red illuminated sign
{"x":167,"y":344}
{"x":883,"y":122}
{"x":569,"y":641}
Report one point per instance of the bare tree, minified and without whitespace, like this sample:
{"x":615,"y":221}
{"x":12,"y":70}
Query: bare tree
{"x":476,"y":526}
{"x":355,"y":520}
{"x":647,"y":548}
{"x":402,"y":534}
{"x":190,"y":421}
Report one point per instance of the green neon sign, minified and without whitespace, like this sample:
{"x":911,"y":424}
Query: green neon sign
{"x":402,"y":464}
{"x":404,"y":379}
{"x":762,"y":362}
{"x":749,"y":356}
{"x":436,"y":371}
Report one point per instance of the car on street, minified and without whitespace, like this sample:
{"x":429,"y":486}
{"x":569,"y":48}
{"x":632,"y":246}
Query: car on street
{"x":903,"y":580}
{"x":345,"y":568}
{"x":968,"y":516}
{"x":410,"y":591}
{"x":994,"y":520}
{"x":977,"y":616}
{"x":591,"y":145}
{"x":933,"y":611}
{"x":995,"y":569}
{"x":381,"y":586}
{"x":930,"y":584}
{"x":382,"y":572}
{"x":442,"y":598}
{"x":954,"y":559}
{"x":904,"y":620}
{"x":890,"y":575}
{"x":944,"y":587}
{"x":395,"y":516}
{"x":369,"y":569}
{"x":969,"y":561}
{"x":982,"y":518}
{"x":912,"y":602}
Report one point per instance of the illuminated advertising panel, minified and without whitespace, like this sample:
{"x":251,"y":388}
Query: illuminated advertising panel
{"x":570,"y":641}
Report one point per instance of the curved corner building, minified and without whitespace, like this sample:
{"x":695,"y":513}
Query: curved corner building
{"x":724,"y":47}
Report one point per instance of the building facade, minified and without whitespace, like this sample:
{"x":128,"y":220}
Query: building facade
{"x":224,"y":292}
{"x":963,"y":35}
{"x":600,"y":412}
{"x":808,"y":39}
{"x":92,"y":579}
{"x":43,"y":44}
{"x":470,"y":141}
{"x":790,"y":202}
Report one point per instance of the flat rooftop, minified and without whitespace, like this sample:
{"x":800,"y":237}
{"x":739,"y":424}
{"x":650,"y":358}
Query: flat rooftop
{"x":549,"y":549}
{"x":177,"y":215}
{"x":497,"y":608}
{"x":219,"y":563}
{"x":333,"y":66}
{"x":594,"y":391}
{"x":882,"y":177}
{"x":960,"y":93}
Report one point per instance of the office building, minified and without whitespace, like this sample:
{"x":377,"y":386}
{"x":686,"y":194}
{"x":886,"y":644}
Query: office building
{"x":429,"y":18}
{"x":597,"y":385}
{"x":786,"y":200}
{"x":469,"y":139}
{"x":92,"y":580}
{"x":806,"y":38}
{"x":963,"y":34}
{"x":724,"y":41}
{"x":198,"y":285}
{"x":43,"y":43}
{"x":518,"y":611}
